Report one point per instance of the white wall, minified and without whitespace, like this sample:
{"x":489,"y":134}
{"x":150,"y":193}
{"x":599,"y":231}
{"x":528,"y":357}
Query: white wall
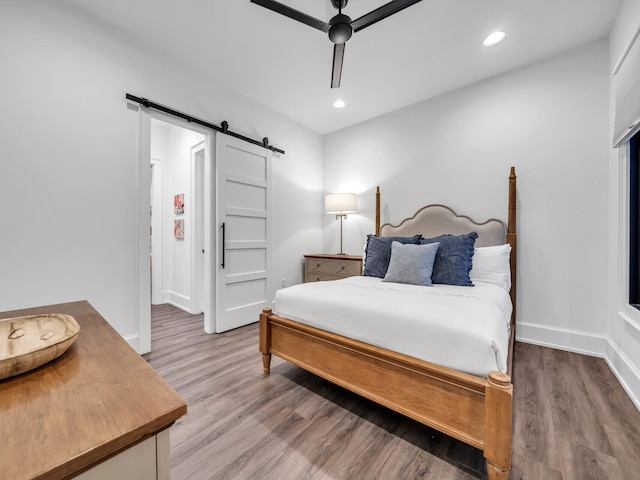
{"x":549,"y":120}
{"x":176,"y":253}
{"x":623,"y":346}
{"x":69,"y":153}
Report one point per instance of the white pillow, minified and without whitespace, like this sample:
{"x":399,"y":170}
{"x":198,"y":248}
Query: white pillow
{"x":491,"y":265}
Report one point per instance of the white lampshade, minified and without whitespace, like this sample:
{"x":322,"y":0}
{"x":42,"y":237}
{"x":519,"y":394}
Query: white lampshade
{"x":341,"y":203}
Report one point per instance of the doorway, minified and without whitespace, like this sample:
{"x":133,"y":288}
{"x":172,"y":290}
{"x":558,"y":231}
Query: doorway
{"x":238,"y":195}
{"x":180,"y":215}
{"x":156,"y":226}
{"x":198,"y":291}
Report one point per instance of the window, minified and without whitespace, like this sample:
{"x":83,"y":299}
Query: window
{"x":634,"y":221}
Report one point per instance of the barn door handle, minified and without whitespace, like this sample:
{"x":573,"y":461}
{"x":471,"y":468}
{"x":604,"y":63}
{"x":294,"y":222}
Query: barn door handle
{"x":223,"y":243}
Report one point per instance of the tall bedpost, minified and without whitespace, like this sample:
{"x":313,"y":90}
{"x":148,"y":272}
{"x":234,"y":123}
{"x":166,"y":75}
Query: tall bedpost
{"x":512,"y":239}
{"x":378,"y":210}
{"x":498,"y":425}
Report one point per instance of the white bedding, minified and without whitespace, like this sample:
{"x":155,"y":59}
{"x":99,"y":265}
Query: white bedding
{"x":464,"y":328}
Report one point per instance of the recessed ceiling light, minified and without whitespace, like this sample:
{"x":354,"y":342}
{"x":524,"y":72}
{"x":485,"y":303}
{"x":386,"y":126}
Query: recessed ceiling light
{"x":493,"y":39}
{"x":339,"y":103}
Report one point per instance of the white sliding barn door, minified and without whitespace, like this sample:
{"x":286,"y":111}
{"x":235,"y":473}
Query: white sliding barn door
{"x":244,"y":238}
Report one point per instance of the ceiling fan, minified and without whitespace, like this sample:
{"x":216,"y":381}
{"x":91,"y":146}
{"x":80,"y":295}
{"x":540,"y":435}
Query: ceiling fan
{"x":340,"y":27}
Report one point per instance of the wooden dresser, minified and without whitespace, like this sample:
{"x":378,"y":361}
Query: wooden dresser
{"x":99,"y":411}
{"x":320,"y":267}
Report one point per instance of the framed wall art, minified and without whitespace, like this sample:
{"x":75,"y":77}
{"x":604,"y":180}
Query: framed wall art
{"x":178,"y":203}
{"x":178,"y":228}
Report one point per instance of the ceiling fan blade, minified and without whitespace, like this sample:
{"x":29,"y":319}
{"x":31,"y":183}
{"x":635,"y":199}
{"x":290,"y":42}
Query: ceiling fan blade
{"x":336,"y":72}
{"x":381,"y":13}
{"x":293,"y":14}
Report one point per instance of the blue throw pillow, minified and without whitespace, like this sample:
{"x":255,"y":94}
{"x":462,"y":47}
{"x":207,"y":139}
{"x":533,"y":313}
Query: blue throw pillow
{"x":378,"y":253}
{"x":453,"y":259}
{"x":411,"y":263}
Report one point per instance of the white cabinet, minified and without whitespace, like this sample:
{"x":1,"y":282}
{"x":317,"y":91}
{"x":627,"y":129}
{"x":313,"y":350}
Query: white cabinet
{"x":148,"y":460}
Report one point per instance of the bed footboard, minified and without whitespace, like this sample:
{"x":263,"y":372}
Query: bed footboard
{"x":472,"y":409}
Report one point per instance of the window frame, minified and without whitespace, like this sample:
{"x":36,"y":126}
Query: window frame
{"x":634,"y":222}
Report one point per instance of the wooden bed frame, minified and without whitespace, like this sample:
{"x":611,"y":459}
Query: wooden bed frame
{"x":475,"y":410}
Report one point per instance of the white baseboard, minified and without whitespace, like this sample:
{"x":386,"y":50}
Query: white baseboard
{"x":562,"y":339}
{"x":177,"y":300}
{"x":625,"y":371}
{"x":133,"y":341}
{"x":587,"y":344}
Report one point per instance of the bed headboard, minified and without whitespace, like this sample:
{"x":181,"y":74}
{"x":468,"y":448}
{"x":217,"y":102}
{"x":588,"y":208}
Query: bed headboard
{"x":434,"y":220}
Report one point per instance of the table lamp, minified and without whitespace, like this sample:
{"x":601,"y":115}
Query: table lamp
{"x":340,"y":204}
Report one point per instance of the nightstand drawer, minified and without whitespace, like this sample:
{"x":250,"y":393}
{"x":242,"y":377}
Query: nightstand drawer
{"x":331,"y":267}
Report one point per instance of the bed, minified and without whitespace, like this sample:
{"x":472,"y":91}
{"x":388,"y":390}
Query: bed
{"x":474,"y":408}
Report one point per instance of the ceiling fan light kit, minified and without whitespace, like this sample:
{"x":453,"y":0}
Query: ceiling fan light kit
{"x":340,"y":28}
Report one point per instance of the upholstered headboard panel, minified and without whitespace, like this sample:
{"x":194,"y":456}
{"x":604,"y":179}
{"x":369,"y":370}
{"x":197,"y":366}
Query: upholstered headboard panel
{"x":434,"y":220}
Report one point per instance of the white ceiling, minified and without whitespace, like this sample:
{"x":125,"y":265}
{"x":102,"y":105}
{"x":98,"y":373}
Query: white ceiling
{"x":425,"y":50}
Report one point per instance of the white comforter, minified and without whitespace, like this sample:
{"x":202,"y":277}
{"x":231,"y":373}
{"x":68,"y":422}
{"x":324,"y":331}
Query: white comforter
{"x":464,"y":328}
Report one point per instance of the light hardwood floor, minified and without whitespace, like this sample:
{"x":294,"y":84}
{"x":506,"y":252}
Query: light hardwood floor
{"x":572,"y":419}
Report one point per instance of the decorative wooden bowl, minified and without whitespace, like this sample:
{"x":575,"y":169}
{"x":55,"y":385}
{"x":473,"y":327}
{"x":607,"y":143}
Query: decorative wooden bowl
{"x":29,"y":342}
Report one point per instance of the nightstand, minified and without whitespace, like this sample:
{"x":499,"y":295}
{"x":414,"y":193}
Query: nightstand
{"x":320,"y":267}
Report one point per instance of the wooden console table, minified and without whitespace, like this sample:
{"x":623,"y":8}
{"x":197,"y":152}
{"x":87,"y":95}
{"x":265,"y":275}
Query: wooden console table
{"x":98,"y":411}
